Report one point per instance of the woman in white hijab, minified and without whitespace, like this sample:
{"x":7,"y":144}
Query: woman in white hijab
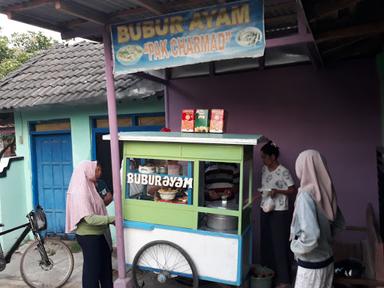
{"x":315,"y":219}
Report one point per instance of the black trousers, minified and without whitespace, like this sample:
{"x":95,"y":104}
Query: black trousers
{"x":97,"y":265}
{"x":275,"y":252}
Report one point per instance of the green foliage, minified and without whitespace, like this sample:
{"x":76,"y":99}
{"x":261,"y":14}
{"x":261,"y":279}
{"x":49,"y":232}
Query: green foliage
{"x":31,"y":42}
{"x":5,"y":51}
{"x":20,"y":48}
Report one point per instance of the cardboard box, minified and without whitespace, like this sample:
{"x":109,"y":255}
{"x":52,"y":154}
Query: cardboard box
{"x":188,"y":120}
{"x":202,"y":120}
{"x":216,"y":124}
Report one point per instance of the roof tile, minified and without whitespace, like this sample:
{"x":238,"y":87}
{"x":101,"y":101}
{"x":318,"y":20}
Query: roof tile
{"x":65,"y":74}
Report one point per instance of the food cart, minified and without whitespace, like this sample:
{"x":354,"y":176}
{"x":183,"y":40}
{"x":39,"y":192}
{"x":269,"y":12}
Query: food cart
{"x":171,"y":231}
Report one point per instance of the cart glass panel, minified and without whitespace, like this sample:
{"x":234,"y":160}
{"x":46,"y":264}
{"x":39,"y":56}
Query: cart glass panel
{"x":219,"y":185}
{"x":169,"y":181}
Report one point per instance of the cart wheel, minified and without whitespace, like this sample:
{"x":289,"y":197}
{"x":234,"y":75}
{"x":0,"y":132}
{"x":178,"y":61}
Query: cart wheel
{"x":162,"y":263}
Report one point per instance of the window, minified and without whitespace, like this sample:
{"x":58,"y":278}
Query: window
{"x":167,"y":181}
{"x":121,"y":121}
{"x":151,"y":120}
{"x":56,"y":125}
{"x":7,"y":135}
{"x":220,"y":183}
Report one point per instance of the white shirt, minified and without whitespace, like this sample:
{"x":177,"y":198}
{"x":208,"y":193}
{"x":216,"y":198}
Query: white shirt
{"x":280,"y":179}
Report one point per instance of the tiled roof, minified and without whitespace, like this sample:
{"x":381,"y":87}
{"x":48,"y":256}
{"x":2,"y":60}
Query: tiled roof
{"x":68,"y":74}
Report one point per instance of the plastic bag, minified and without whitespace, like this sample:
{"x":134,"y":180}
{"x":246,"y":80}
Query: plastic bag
{"x":268,"y":205}
{"x":39,"y":219}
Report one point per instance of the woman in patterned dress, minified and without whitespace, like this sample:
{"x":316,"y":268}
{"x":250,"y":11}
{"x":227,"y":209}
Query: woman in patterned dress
{"x":277,"y":184}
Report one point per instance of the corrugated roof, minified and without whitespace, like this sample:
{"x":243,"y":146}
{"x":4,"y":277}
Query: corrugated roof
{"x":67,"y":74}
{"x":341,"y":29}
{"x":84,"y":18}
{"x":107,"y":6}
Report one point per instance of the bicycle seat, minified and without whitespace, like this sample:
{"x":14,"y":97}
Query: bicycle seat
{"x":1,"y":225}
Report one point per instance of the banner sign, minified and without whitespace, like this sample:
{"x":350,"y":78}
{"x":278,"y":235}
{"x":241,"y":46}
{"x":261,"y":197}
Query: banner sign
{"x":234,"y":30}
{"x":160,"y":180}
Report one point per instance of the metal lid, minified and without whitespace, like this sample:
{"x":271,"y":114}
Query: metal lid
{"x":230,"y":205}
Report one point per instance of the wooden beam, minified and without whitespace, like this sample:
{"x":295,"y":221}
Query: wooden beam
{"x":314,"y":55}
{"x":212,"y":68}
{"x":73,"y":23}
{"x":81,"y":11}
{"x":277,"y":2}
{"x":289,"y":40}
{"x":83,"y":33}
{"x":261,"y":61}
{"x":191,"y":4}
{"x":351,"y":32}
{"x":275,"y":21}
{"x":304,"y":27}
{"x":344,"y":45}
{"x":32,"y":20}
{"x":179,"y":5}
{"x":113,"y":17}
{"x":26,"y":5}
{"x":288,"y":6}
{"x":327,"y":8}
{"x":150,"y":77}
{"x":168,"y":73}
{"x":150,"y":6}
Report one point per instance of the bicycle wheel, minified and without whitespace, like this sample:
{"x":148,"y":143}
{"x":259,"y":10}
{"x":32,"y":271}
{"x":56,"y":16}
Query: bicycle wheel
{"x":36,"y":273}
{"x":161,"y":263}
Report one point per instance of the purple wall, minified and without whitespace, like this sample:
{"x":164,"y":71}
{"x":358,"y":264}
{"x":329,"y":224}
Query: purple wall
{"x":335,"y":110}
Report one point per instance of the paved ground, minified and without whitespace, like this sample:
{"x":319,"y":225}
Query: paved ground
{"x":11,"y":277}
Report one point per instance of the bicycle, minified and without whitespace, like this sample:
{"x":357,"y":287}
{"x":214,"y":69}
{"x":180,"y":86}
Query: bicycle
{"x":45,"y":262}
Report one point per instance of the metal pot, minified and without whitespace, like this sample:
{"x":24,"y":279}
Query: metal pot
{"x":230,"y":205}
{"x":221,"y":222}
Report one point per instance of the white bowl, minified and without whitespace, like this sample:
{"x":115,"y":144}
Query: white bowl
{"x":146,"y":169}
{"x":129,"y":54}
{"x":168,"y":195}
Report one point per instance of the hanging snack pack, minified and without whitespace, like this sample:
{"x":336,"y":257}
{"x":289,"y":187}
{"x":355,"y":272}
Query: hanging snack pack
{"x":217,"y":121}
{"x":188,"y":120}
{"x":202,"y":120}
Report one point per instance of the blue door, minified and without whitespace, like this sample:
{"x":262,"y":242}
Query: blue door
{"x":53,"y":170}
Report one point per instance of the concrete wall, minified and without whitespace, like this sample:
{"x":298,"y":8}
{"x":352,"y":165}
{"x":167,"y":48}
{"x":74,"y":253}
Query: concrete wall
{"x":335,"y":110}
{"x":80,"y":130}
{"x":380,"y":69}
{"x":12,"y":207}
